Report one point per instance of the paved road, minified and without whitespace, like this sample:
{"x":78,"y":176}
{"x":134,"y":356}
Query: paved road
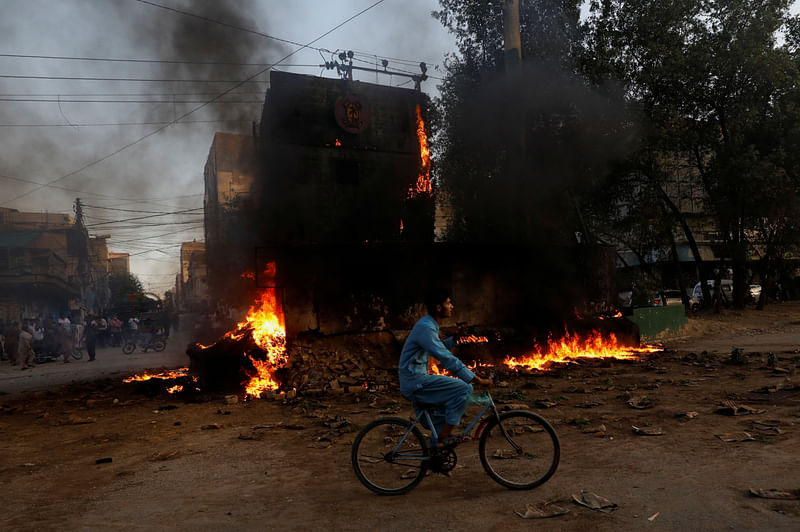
{"x":111,"y":362}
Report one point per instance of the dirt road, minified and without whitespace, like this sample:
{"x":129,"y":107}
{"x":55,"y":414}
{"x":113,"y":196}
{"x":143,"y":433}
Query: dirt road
{"x":263,"y":465}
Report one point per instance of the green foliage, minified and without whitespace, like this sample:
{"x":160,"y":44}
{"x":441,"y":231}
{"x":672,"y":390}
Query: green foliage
{"x":514,"y":147}
{"x":123,"y":286}
{"x":719,"y":99}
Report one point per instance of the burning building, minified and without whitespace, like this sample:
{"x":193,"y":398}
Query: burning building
{"x":337,"y":237}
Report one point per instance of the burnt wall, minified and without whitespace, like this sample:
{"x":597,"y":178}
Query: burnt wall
{"x":340,"y":157}
{"x":334,"y":289}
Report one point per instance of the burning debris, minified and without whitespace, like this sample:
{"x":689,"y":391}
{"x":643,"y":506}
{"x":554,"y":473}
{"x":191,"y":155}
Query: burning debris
{"x":260,"y":340}
{"x":173,"y":381}
{"x":572,"y":347}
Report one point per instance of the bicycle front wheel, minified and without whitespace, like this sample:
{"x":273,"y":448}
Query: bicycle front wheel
{"x":128,"y":348}
{"x":525,"y":456}
{"x":389,"y":457}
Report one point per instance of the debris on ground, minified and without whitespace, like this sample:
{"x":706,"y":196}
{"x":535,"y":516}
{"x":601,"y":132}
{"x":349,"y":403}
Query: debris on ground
{"x":594,"y":501}
{"x":640,"y":403}
{"x":773,"y":493}
{"x":686,"y":416}
{"x":730,"y":408}
{"x":735,"y":437}
{"x":541,"y":510}
{"x":647,"y":431}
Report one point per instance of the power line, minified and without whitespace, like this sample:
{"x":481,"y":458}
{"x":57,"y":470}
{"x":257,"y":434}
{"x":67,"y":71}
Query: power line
{"x":129,"y":210}
{"x":121,"y":60}
{"x":265,"y":35}
{"x":162,"y":128}
{"x":119,"y":124}
{"x":154,"y":80}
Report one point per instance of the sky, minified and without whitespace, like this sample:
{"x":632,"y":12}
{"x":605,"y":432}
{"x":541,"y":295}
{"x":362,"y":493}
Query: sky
{"x":132,"y":141}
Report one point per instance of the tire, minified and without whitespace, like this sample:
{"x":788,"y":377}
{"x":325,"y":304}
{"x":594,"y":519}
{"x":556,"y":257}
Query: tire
{"x":77,"y":354}
{"x":525,"y":468}
{"x":158,"y":345}
{"x":373,"y":460}
{"x":128,"y":348}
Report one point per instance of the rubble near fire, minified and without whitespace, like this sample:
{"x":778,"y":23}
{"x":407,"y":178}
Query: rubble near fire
{"x":255,"y":360}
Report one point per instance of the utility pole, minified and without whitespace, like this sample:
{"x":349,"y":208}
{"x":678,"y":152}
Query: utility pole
{"x":516,"y":170}
{"x":512,"y":42}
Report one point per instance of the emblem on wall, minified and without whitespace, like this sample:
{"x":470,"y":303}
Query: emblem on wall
{"x":352,"y":113}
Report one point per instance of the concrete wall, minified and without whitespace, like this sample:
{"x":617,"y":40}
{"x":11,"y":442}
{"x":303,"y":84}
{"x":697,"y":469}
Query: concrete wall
{"x":355,"y":288}
{"x":325,"y":183}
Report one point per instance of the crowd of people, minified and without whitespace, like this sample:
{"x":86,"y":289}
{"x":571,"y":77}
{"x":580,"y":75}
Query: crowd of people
{"x":21,"y":342}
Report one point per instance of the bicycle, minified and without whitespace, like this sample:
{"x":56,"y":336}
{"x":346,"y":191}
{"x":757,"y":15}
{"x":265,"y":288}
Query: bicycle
{"x":518,"y":449}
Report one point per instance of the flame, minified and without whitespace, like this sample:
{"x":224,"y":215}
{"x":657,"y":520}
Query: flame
{"x":248,"y":275}
{"x":175,"y":389}
{"x":471,"y":339}
{"x":423,"y":184}
{"x":265,"y":322}
{"x":165,"y":375}
{"x":338,"y":142}
{"x":571,"y":347}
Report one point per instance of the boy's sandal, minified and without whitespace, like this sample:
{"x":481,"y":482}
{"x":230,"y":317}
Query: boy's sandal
{"x":451,"y":441}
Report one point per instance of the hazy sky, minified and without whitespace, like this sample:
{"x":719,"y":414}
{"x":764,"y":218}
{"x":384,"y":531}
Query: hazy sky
{"x":110,"y":140}
{"x":100,"y":151}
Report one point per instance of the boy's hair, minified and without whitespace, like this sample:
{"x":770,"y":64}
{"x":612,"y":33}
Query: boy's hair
{"x":435,"y":296}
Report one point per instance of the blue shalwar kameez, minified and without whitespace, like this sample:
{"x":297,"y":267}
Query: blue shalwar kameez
{"x":415,"y":382}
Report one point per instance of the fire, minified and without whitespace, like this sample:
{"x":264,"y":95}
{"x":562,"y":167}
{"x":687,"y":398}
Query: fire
{"x":165,"y":375}
{"x":471,"y":339}
{"x":571,"y":347}
{"x":265,"y":322}
{"x":423,"y":184}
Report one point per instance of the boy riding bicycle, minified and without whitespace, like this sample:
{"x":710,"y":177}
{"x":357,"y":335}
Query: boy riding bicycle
{"x":417,"y":385}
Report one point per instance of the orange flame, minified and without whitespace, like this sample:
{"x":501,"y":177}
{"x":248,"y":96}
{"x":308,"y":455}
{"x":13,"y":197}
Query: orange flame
{"x":338,"y":142}
{"x":423,"y":184}
{"x":572,"y":347}
{"x":471,"y":339}
{"x":165,"y":375}
{"x":265,"y":322}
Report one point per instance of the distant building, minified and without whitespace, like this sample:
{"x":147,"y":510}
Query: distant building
{"x":44,"y":265}
{"x":98,"y":293}
{"x":192,"y":283}
{"x":119,"y":263}
{"x":232,"y":166}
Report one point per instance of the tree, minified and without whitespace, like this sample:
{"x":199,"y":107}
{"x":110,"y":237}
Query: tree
{"x":514,"y":149}
{"x":123,"y":287}
{"x":710,"y":79}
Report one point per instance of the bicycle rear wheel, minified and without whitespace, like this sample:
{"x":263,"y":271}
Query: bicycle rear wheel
{"x":388,"y":458}
{"x":527,"y":458}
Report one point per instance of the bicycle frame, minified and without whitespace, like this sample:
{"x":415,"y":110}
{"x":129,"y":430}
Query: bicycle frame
{"x":435,"y":437}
